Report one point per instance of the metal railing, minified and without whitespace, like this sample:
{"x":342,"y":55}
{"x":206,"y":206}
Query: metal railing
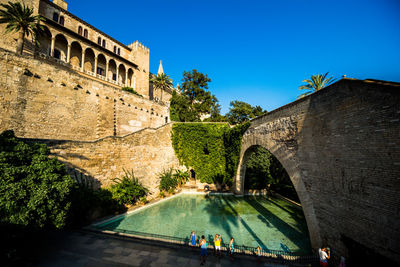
{"x":280,"y":255}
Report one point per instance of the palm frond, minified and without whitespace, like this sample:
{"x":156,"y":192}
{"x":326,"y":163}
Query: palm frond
{"x":317,"y":82}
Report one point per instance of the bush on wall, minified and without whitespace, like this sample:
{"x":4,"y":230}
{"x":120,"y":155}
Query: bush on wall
{"x":211,"y":149}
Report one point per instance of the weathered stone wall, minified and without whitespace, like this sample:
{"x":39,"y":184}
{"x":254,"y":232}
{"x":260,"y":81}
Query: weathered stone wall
{"x":341,"y":149}
{"x":42,"y":99}
{"x":147,"y":153}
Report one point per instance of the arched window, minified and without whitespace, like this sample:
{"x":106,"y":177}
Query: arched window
{"x":62,"y":20}
{"x":99,"y":41}
{"x":80,"y":30}
{"x":85,"y":33}
{"x":119,"y":51}
{"x":115,"y":49}
{"x":104,"y":43}
{"x":55,"y":17}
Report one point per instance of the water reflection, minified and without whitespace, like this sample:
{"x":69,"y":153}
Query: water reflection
{"x":271,"y":224}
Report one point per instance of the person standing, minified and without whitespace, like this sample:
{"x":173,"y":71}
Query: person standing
{"x":258,"y":253}
{"x":324,"y":255}
{"x":217,"y":244}
{"x":231,"y":248}
{"x":203,"y":249}
{"x":193,"y":239}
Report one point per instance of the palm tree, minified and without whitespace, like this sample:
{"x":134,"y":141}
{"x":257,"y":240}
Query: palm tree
{"x":162,"y":82}
{"x":19,"y":18}
{"x":316,"y":83}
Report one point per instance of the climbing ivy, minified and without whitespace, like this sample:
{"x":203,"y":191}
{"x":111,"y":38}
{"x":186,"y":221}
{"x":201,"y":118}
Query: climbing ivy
{"x":210,"y":149}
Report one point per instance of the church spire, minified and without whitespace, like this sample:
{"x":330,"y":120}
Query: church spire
{"x":160,"y":69}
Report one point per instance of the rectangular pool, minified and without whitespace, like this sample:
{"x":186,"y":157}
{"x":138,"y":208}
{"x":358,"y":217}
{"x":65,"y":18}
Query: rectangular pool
{"x":273,"y":224}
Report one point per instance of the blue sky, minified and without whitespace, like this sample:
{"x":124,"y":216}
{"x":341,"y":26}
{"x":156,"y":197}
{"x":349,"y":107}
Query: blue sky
{"x":257,"y":51}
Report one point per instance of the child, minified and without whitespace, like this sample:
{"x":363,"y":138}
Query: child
{"x":193,"y":239}
{"x":231,"y":248}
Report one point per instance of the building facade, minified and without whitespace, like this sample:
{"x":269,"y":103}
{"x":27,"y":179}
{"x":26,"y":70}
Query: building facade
{"x":72,"y":42}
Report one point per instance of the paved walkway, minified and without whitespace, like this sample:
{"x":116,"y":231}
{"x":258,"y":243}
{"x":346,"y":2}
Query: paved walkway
{"x":91,"y":249}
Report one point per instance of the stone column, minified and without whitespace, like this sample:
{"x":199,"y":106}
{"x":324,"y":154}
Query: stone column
{"x":68,"y":53}
{"x":53,"y":43}
{"x":117,"y":74}
{"x":126,"y":78}
{"x":106,"y":69}
{"x":95,"y":65}
{"x":134,"y":81}
{"x":83,"y":60}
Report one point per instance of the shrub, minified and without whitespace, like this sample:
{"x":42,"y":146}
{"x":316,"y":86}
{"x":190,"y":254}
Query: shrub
{"x":89,"y":204}
{"x":144,"y":200}
{"x":167,"y":181}
{"x":161,"y":194}
{"x":128,"y":189}
{"x":131,"y":90}
{"x":181,"y":176}
{"x":34,"y":188}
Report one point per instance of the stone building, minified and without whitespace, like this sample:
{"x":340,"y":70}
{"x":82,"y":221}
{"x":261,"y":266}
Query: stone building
{"x":67,"y":92}
{"x":70,"y":41}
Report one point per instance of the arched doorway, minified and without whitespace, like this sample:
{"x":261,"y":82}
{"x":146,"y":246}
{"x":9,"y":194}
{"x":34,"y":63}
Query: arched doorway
{"x":76,"y":54}
{"x":112,"y":70}
{"x":121,"y":74}
{"x":130,"y":77}
{"x":60,"y":48}
{"x":101,"y":65}
{"x":89,"y":60}
{"x":192,"y":174}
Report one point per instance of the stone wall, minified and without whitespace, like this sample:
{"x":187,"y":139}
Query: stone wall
{"x":42,"y":99}
{"x":147,"y":153}
{"x":341,"y":149}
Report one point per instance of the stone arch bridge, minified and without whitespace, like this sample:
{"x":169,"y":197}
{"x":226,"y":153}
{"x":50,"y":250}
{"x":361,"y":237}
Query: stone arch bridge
{"x":341,"y":149}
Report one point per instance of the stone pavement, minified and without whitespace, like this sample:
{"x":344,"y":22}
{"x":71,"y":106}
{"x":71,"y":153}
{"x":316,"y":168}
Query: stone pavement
{"x":91,"y":249}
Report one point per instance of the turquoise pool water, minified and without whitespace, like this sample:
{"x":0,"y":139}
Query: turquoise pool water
{"x":271,"y":223}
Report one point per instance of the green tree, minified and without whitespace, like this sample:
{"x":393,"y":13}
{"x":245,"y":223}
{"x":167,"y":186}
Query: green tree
{"x":162,"y":82}
{"x":34,"y":188}
{"x":180,"y":109}
{"x":258,"y":173}
{"x":317,"y":82}
{"x":215,"y":114}
{"x":194,"y":100}
{"x":19,"y":18}
{"x":241,"y":112}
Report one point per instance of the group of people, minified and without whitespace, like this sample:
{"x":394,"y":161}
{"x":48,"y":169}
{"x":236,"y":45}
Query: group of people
{"x":324,"y":253}
{"x":217,"y":246}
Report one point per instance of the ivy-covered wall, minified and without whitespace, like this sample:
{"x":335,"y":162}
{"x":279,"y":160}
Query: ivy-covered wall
{"x":210,"y":149}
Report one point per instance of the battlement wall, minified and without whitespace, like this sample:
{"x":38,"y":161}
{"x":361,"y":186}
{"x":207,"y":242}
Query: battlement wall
{"x":41,"y":99}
